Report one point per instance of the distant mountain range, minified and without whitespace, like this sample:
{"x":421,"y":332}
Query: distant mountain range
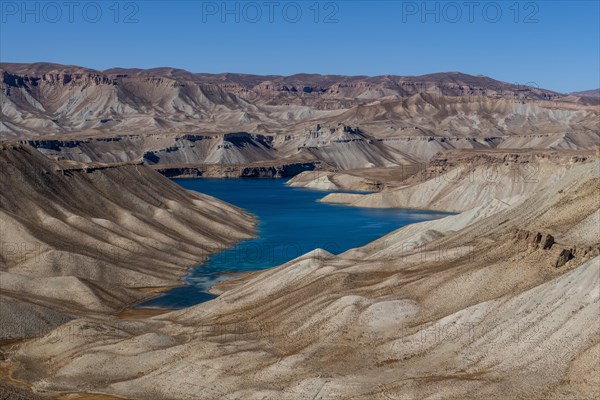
{"x":301,"y":88}
{"x":589,"y":93}
{"x":172,"y":116}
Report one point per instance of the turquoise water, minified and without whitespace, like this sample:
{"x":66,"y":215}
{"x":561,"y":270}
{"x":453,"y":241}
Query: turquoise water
{"x":291,"y":223}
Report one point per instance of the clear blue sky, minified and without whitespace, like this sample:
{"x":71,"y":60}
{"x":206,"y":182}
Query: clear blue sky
{"x":553,"y":44}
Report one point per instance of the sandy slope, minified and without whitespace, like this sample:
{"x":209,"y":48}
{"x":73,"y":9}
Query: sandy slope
{"x":460,"y":180}
{"x":497,"y":302}
{"x":323,"y":180}
{"x":78,"y":241}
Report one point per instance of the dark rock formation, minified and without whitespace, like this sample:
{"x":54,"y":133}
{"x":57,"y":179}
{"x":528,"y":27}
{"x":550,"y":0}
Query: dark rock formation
{"x":565,"y":256}
{"x":237,"y":171}
{"x":548,"y":242}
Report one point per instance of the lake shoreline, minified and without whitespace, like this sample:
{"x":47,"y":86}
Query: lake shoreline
{"x":285,"y":214}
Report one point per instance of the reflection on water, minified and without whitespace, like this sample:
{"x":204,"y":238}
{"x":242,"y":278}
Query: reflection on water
{"x":292,"y":223}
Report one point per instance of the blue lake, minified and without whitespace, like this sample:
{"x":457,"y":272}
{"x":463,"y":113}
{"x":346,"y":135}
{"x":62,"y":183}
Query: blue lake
{"x":291,"y":223}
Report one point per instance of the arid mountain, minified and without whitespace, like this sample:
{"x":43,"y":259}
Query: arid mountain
{"x":185,"y":124}
{"x":84,"y":240}
{"x":499,"y":301}
{"x":588,"y":93}
{"x":52,"y":99}
{"x":173,"y":118}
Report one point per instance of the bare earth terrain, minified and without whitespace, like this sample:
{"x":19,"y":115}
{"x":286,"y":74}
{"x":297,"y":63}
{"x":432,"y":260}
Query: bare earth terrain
{"x":498,"y":301}
{"x":172,"y":118}
{"x":81,"y":242}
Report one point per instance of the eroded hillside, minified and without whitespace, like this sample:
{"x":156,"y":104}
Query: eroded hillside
{"x":499,"y":301}
{"x":87,"y":239}
{"x":174,"y":117}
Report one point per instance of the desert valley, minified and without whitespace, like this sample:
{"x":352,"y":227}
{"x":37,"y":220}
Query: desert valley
{"x":467,"y":232}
